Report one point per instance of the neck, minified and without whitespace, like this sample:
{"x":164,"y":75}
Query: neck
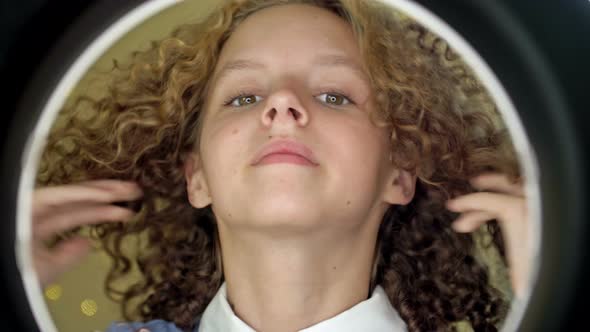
{"x":288,"y":283}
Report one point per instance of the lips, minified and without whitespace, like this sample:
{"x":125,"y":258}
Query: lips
{"x":284,"y":148}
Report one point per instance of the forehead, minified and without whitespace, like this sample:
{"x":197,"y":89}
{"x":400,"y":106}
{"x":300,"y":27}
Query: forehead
{"x":290,"y":29}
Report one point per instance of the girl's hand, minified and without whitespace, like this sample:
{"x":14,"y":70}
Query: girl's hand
{"x":59,"y":208}
{"x":504,"y":201}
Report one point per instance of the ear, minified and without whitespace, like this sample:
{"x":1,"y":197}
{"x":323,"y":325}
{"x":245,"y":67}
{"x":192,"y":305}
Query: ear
{"x":401,"y":188}
{"x":196,"y":184}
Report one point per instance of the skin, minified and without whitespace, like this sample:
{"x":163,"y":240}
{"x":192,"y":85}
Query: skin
{"x":300,"y":248}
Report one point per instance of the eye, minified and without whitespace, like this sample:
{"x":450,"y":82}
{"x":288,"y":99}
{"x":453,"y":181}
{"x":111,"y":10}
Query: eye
{"x":337,"y":99}
{"x":242,"y":100}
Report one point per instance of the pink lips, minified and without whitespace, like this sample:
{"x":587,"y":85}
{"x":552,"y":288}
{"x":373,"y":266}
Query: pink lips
{"x":285,"y":151}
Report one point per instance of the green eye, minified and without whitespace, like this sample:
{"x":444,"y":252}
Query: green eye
{"x":334,"y":99}
{"x":243,"y":100}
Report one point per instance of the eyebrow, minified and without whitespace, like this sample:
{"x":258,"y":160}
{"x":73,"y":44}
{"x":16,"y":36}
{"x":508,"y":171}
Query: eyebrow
{"x":326,"y":60}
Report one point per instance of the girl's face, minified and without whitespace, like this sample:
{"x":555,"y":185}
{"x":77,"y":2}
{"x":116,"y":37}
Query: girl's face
{"x":299,"y":73}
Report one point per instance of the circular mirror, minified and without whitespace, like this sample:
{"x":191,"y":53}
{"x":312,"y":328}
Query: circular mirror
{"x":540,"y":148}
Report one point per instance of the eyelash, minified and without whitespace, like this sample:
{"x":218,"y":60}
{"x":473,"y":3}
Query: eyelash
{"x":240,"y":94}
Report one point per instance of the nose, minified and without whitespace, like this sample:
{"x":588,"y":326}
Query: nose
{"x":284,"y":108}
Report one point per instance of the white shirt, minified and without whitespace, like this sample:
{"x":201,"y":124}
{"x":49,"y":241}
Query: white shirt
{"x":375,"y":314}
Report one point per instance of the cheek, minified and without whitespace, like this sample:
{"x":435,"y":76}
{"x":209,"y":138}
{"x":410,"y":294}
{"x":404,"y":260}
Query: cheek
{"x":222,"y":132}
{"x":225,"y":143}
{"x":226,"y":147}
{"x":357,"y":142}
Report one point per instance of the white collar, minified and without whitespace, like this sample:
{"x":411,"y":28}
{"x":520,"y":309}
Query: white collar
{"x":375,"y":314}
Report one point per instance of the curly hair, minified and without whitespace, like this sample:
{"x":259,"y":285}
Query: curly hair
{"x":445,"y":129}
